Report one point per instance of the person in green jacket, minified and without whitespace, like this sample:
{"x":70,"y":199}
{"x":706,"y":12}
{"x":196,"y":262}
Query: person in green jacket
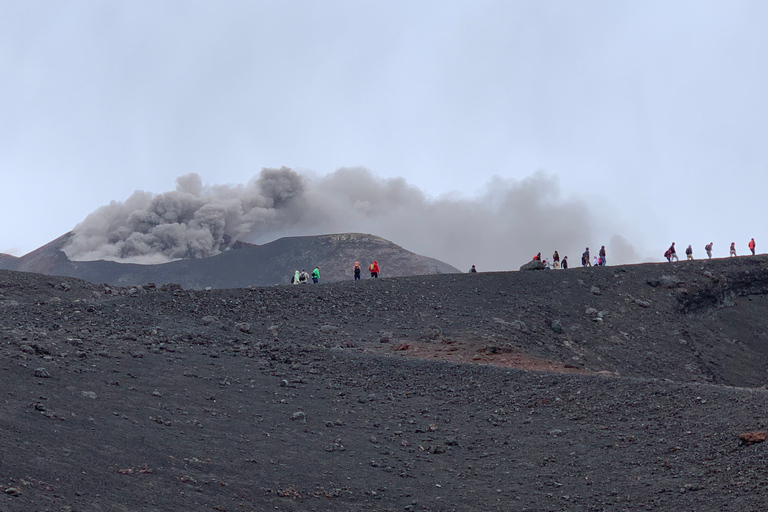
{"x":316,"y":275}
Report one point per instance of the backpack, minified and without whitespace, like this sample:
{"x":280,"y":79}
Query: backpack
{"x":667,"y":254}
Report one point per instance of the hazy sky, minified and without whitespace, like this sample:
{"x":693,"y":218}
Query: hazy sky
{"x":654,"y":113}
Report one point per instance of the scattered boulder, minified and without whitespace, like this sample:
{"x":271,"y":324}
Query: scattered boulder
{"x":556,"y":326}
{"x":243,"y":327}
{"x":595,"y":290}
{"x":42,"y":373}
{"x":533,"y":265}
{"x":750,"y":438}
{"x":210,"y":320}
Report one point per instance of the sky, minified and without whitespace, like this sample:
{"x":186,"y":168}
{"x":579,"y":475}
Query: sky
{"x":646,"y":121}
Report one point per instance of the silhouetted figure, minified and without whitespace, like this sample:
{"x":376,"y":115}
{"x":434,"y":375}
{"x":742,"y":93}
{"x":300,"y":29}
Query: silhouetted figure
{"x":602,"y":261}
{"x":752,"y":246}
{"x":556,"y":260}
{"x":585,"y":259}
{"x":733,"y":250}
{"x":708,"y":248}
{"x":473,"y":270}
{"x":689,"y":252}
{"x":565,"y":262}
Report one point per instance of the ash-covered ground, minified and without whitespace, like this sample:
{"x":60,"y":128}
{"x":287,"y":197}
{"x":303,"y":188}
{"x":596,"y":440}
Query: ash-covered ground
{"x":612,"y":388}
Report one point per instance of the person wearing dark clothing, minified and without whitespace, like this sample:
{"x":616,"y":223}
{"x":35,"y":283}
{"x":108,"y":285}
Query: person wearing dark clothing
{"x":357,"y":270}
{"x":556,"y":260}
{"x":565,"y":263}
{"x":708,"y":248}
{"x":303,"y":277}
{"x":602,"y":256}
{"x":537,"y":257}
{"x":689,"y":253}
{"x":733,"y":250}
{"x":473,"y":270}
{"x":672,"y":253}
{"x":585,"y":259}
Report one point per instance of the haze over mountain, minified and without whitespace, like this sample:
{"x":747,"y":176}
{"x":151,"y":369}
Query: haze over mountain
{"x":502,"y":229}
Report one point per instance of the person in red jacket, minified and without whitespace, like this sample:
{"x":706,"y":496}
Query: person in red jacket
{"x":752,"y":246}
{"x":374,"y":268}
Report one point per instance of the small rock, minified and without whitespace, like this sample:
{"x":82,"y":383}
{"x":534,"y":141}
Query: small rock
{"x":88,"y":394}
{"x":243,"y":327}
{"x":556,"y":326}
{"x":595,"y":290}
{"x":54,"y":300}
{"x":42,"y":373}
{"x":210,"y":320}
{"x":328,"y":328}
{"x":299,"y":416}
{"x":750,"y":438}
{"x":642,"y":303}
{"x":400,"y":347}
{"x":13,"y":491}
{"x":590,"y":311}
{"x":156,"y":393}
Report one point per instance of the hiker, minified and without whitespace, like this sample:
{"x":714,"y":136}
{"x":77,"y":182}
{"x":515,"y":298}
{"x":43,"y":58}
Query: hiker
{"x":672,"y":253}
{"x":357,"y":270}
{"x":585,"y":259}
{"x":708,"y":248}
{"x":295,"y":278}
{"x":316,"y":275}
{"x":556,"y":260}
{"x":374,"y":269}
{"x":733,"y":250}
{"x":303,"y":277}
{"x":752,"y":246}
{"x":537,"y":257}
{"x":595,"y":261}
{"x":473,"y":270}
{"x":689,"y":253}
{"x":565,"y":262}
{"x":602,"y":256}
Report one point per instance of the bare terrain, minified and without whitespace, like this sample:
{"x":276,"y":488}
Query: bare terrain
{"x":602,"y":389}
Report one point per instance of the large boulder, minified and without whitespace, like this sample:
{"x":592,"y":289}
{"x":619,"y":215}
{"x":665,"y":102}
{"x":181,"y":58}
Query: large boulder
{"x":533,"y":265}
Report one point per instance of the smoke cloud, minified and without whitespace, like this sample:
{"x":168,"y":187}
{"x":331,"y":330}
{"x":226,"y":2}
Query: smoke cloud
{"x":510,"y":222}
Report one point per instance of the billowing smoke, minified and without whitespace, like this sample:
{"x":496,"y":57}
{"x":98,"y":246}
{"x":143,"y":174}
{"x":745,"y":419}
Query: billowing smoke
{"x":503,"y":228}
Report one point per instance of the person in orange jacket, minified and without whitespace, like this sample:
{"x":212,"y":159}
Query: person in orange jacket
{"x":752,"y":246}
{"x":374,"y":268}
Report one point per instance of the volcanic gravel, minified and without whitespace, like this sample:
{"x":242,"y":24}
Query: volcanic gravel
{"x":422,"y":393}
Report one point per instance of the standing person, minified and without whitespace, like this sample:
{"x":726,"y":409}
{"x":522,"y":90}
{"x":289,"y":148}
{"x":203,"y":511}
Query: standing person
{"x":556,"y":260}
{"x":602,"y":256}
{"x":708,"y":248}
{"x":304,"y":276}
{"x":473,"y":270}
{"x":689,"y":252}
{"x":374,"y":269}
{"x":595,"y":261}
{"x":295,"y":278}
{"x":565,"y":262}
{"x":316,"y":275}
{"x":357,"y":270}
{"x":752,"y":246}
{"x":585,"y":259}
{"x":673,"y":253}
{"x":733,"y":250}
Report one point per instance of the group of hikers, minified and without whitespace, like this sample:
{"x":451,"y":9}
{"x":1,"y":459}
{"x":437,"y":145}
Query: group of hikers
{"x":671,"y":253}
{"x":304,"y":276}
{"x":598,"y":261}
{"x":373,"y":268}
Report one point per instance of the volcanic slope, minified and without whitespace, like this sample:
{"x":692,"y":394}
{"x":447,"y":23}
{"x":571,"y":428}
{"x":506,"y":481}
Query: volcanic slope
{"x":243,"y":265}
{"x":390,"y":394}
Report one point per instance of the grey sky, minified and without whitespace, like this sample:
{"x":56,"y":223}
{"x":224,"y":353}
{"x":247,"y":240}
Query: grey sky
{"x":653,"y":113}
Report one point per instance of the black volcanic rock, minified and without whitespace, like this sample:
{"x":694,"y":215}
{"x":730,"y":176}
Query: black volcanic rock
{"x":412,"y":393}
{"x":244,"y":264}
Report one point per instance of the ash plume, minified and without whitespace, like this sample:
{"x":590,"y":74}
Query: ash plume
{"x":499,"y":230}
